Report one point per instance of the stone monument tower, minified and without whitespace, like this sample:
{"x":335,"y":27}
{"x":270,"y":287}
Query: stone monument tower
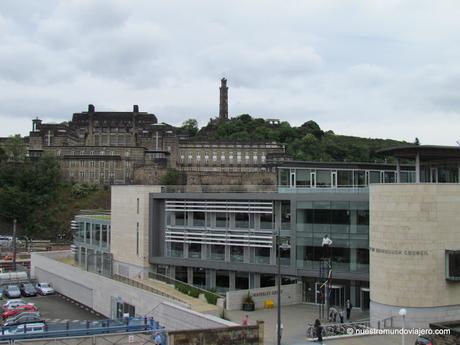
{"x":223,"y":104}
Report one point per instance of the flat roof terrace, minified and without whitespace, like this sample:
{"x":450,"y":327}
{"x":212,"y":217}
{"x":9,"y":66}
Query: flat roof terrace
{"x":433,"y":164}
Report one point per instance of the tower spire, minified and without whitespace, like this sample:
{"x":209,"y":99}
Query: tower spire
{"x":223,"y":104}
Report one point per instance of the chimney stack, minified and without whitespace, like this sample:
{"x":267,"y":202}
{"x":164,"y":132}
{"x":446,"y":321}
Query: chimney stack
{"x":135,"y":108}
{"x":90,"y":108}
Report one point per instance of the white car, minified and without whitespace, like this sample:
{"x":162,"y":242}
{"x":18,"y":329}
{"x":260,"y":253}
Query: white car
{"x":44,"y":289}
{"x":13,"y":303}
{"x":30,"y":328}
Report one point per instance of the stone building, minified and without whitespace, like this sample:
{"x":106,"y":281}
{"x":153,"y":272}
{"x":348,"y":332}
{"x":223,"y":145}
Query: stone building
{"x":104,"y":147}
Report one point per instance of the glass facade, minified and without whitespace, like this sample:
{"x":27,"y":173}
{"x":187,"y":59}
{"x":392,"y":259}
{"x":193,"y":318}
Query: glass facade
{"x":92,"y":242}
{"x":346,"y":223}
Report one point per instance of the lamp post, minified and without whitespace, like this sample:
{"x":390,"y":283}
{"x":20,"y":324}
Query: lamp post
{"x":285,"y":245}
{"x":14,"y":245}
{"x":402,"y":313}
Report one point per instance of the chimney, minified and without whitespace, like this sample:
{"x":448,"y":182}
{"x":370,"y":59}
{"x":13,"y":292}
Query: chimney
{"x":90,"y":108}
{"x":135,"y":108}
{"x":36,"y":123}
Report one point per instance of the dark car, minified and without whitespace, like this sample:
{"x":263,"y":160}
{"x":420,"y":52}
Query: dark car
{"x":423,"y":340}
{"x":27,"y":289}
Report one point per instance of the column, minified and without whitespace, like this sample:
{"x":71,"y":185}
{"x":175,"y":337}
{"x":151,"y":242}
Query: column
{"x":398,"y":171}
{"x":417,"y":168}
{"x":190,"y":275}
{"x":231,"y":278}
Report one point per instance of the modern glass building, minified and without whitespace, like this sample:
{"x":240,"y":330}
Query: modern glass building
{"x":226,"y":240}
{"x":92,"y":242}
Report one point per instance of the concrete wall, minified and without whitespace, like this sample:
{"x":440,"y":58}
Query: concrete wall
{"x":290,"y":294}
{"x":179,"y":318}
{"x":99,"y":293}
{"x":411,"y":226}
{"x":125,"y":217}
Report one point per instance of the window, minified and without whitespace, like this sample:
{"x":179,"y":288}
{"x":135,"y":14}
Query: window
{"x":241,"y":220}
{"x":267,"y":280}
{"x":198,"y":219}
{"x":217,"y":252}
{"x":222,"y":281}
{"x":221,"y":220}
{"x":359,"y":178}
{"x":199,"y":277}
{"x":344,"y":178}
{"x":284,"y":177}
{"x":177,"y":250}
{"x":323,"y":178}
{"x":266,"y":221}
{"x":262,"y":255}
{"x":194,"y":250}
{"x":241,"y":281}
{"x":453,"y":265}
{"x":180,"y":218}
{"x":137,"y":238}
{"x":181,"y":274}
{"x":302,"y":178}
{"x":236,"y":254}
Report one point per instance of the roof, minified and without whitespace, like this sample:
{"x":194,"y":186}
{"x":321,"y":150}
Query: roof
{"x":426,"y":152}
{"x":340,"y":165}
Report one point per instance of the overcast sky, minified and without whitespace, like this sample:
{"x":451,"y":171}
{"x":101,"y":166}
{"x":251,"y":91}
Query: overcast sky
{"x":384,"y":68}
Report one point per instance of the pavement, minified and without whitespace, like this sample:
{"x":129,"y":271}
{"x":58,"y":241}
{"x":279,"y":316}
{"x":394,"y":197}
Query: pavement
{"x":295,"y":319}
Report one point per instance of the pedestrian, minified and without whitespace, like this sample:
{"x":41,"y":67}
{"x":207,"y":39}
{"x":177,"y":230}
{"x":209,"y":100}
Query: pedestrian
{"x":245,"y":320}
{"x":348,"y":305}
{"x":341,"y":316}
{"x":319,"y":331}
{"x":158,"y":340}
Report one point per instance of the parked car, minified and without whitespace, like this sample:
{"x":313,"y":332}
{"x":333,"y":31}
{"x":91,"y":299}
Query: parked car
{"x":2,"y":292}
{"x":13,"y":303}
{"x":27,"y":289}
{"x":24,"y":317}
{"x":44,"y":289}
{"x":26,"y":328}
{"x":12,"y":291}
{"x":423,"y":340}
{"x":18,"y":310}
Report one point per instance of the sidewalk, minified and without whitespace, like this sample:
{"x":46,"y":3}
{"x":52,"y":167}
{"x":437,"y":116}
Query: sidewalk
{"x":294,"y":319}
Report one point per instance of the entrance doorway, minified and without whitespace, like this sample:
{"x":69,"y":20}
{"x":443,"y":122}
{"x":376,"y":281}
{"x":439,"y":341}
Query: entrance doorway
{"x":365,"y":298}
{"x":336,"y":295}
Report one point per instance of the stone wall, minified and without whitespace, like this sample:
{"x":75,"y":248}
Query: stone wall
{"x":290,"y":294}
{"x":411,"y":227}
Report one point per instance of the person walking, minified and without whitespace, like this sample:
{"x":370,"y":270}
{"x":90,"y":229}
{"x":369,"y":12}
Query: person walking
{"x":319,"y":331}
{"x":348,"y":306}
{"x":245,"y":320}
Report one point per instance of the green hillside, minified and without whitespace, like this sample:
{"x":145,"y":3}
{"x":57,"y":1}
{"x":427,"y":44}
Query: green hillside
{"x":306,"y":142}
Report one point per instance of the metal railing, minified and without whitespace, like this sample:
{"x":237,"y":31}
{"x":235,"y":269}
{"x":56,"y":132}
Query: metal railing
{"x":82,"y":328}
{"x":140,"y":285}
{"x":172,"y":281}
{"x":219,"y":189}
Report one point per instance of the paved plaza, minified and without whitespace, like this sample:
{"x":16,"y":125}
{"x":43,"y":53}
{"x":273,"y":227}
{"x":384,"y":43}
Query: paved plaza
{"x":295,"y":319}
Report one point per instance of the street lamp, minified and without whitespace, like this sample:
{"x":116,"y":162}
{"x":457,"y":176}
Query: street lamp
{"x":402,"y":313}
{"x":285,"y":246}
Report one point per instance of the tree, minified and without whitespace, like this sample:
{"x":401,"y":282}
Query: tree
{"x":15,"y":148}
{"x":3,"y":156}
{"x":171,"y":177}
{"x":191,"y":126}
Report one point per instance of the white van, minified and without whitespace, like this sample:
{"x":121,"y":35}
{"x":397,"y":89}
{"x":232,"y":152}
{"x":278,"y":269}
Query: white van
{"x":30,"y":328}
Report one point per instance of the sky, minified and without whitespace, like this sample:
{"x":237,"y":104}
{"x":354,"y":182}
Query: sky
{"x":370,"y":68}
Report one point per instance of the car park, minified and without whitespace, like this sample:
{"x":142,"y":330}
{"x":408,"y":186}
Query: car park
{"x":26,"y":328}
{"x":24,"y":317}
{"x":27,"y":289}
{"x":44,"y":289}
{"x":18,"y":310}
{"x":13,"y":303}
{"x":12,"y":291}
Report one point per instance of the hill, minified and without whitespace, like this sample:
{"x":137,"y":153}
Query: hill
{"x":306,"y":142}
